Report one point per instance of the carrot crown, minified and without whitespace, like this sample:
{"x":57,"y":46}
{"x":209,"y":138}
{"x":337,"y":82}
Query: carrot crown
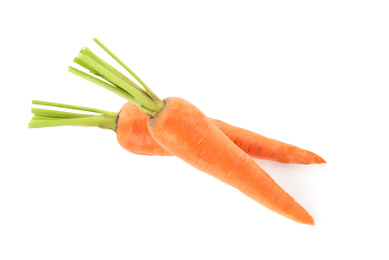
{"x":115,"y":81}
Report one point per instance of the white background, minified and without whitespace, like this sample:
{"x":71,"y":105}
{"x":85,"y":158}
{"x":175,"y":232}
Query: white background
{"x":310,"y":73}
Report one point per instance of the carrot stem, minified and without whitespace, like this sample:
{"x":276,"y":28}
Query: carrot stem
{"x":97,"y":120}
{"x":89,"y":53}
{"x":53,"y":104}
{"x":145,"y":99}
{"x":139,"y":96}
{"x":120,"y":92}
{"x":46,"y":113}
{"x":49,"y":118}
{"x":153,"y":96}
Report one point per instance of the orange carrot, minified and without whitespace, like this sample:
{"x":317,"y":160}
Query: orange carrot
{"x":183,"y":130}
{"x":186,"y":132}
{"x":261,"y":147}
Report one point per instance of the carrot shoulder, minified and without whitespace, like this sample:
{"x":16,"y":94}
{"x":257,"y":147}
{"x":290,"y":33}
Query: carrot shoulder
{"x":186,"y":132}
{"x":132,"y":133}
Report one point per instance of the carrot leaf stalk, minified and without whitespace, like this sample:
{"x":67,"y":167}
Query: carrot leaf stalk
{"x":115,"y":81}
{"x":50,"y":118}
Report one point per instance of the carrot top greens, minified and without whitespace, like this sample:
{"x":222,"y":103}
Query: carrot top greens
{"x":106,"y":76}
{"x":47,"y":118}
{"x":115,"y":81}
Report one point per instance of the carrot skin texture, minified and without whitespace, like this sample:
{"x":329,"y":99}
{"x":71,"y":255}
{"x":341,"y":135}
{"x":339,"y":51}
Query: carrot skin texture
{"x":184,"y":131}
{"x":133,"y":135}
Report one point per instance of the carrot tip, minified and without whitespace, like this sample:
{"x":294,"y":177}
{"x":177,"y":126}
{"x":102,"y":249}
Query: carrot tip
{"x":320,"y":160}
{"x":306,"y":219}
{"x":314,"y":158}
{"x":309,"y":221}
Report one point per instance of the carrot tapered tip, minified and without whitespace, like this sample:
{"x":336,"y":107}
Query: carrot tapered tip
{"x":311,"y":222}
{"x":312,"y":158}
{"x":300,"y":215}
{"x":320,"y":160}
{"x":307,"y":220}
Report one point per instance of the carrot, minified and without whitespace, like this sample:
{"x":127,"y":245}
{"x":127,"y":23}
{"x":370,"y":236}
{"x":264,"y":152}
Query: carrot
{"x":261,"y":147}
{"x":186,"y":132}
{"x":183,"y":130}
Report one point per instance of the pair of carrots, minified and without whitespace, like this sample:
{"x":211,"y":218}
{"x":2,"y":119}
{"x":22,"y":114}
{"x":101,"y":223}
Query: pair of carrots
{"x":150,"y":126}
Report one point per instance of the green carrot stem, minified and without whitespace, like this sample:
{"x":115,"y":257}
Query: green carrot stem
{"x":83,"y":64}
{"x":155,"y":97}
{"x":56,"y":114}
{"x":120,"y":92}
{"x":88,"y":109}
{"x":139,"y":96}
{"x":145,"y":99}
{"x":101,"y":121}
{"x":43,"y":118}
{"x":89,"y":53}
{"x":48,"y":118}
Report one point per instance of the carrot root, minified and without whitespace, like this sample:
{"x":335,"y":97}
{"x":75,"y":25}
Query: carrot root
{"x":186,"y":132}
{"x":261,"y":147}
